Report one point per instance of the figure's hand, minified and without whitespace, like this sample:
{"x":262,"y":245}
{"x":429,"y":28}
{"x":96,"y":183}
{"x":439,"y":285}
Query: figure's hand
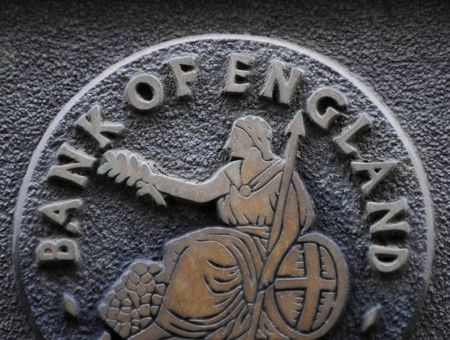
{"x":269,"y":270}
{"x":132,"y":167}
{"x":266,"y":280}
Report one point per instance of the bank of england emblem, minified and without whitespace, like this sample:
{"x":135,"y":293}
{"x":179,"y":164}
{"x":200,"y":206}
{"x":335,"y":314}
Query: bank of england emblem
{"x":254,"y":276}
{"x":224,"y":187}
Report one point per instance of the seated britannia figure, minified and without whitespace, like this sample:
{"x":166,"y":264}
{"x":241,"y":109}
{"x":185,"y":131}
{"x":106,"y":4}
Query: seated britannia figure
{"x":210,"y":282}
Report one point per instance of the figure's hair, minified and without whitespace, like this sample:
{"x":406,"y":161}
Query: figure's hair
{"x":259,"y":132}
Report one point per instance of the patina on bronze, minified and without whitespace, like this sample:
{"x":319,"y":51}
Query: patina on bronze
{"x":239,"y":230}
{"x":226,"y":283}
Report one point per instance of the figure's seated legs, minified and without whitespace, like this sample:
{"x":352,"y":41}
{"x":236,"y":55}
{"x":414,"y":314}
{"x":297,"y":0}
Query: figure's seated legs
{"x":209,"y":280}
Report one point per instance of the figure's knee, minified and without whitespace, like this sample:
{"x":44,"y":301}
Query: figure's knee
{"x":214,"y":253}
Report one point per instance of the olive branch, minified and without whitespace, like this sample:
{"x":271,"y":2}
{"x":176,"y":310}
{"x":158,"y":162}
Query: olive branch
{"x":125,"y":165}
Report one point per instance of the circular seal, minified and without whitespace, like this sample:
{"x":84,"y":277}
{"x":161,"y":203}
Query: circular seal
{"x":224,"y":186}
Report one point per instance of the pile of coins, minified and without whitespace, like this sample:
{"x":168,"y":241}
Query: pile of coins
{"x":134,"y":301}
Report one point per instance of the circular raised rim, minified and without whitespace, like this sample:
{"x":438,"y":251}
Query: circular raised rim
{"x":335,"y":66}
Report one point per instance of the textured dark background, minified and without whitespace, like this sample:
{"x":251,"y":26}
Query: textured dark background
{"x":49,"y":50}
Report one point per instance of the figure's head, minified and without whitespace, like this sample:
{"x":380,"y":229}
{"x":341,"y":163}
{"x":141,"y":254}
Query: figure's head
{"x":248,"y":132}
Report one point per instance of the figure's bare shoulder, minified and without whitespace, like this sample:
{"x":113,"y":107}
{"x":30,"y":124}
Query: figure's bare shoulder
{"x":233,"y":172}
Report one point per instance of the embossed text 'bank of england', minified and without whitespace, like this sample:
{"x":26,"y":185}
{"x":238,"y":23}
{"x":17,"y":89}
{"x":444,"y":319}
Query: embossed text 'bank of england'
{"x":224,"y":187}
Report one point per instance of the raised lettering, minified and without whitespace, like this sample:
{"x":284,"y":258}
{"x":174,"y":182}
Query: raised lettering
{"x":238,"y":70}
{"x":276,"y":80}
{"x":348,"y":133}
{"x":58,"y":212}
{"x":392,"y":210}
{"x":183,"y":69}
{"x":93,"y":124}
{"x":320,"y":106}
{"x":83,"y":161}
{"x":387,"y":259}
{"x":144,"y":92}
{"x":59,"y":250}
{"x":376,"y":171}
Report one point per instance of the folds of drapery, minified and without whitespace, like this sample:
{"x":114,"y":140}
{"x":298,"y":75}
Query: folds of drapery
{"x":213,"y":281}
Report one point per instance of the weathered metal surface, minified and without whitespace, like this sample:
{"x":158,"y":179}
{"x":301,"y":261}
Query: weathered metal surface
{"x":57,"y":237}
{"x":234,"y":276}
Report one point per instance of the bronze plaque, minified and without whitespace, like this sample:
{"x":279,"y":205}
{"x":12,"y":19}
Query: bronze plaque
{"x":224,"y":187}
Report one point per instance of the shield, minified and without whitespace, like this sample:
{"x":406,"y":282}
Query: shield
{"x":310,"y":288}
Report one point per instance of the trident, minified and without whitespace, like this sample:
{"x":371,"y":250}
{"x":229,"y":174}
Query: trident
{"x":295,"y":129}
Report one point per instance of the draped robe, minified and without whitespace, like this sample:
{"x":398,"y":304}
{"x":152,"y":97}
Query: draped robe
{"x":212,"y":274}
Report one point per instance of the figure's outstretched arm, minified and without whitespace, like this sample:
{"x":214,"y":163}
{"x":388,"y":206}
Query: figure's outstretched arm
{"x":201,"y":192}
{"x":124,"y":165}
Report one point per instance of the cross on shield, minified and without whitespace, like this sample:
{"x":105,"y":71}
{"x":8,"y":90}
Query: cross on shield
{"x":315,"y":270}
